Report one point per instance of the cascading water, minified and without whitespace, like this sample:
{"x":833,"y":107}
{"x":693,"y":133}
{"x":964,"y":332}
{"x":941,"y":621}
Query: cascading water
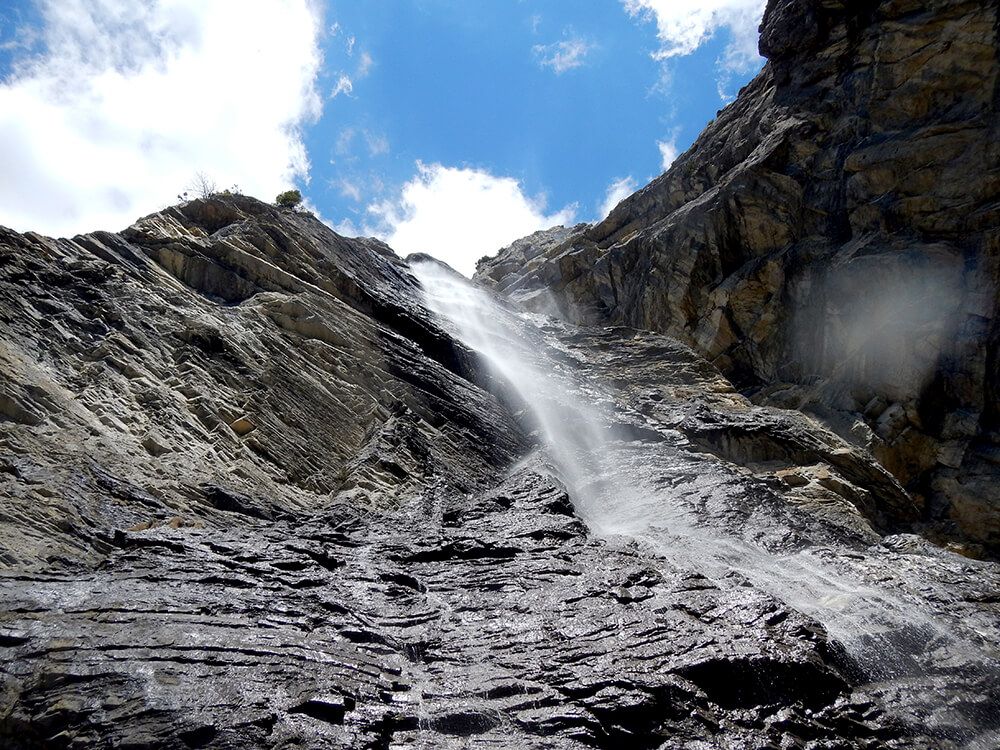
{"x":624,"y":485}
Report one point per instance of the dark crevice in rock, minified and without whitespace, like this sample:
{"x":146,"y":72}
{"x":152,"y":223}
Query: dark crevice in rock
{"x":330,"y":710}
{"x":234,"y":502}
{"x":749,"y":683}
{"x":198,"y":737}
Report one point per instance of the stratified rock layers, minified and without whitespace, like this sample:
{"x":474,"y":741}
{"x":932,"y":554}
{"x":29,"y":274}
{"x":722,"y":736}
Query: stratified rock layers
{"x":253,"y":496}
{"x":831,"y":242}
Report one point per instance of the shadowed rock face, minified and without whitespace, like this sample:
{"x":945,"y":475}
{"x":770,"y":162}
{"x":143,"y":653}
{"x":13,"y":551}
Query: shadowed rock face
{"x":831,"y":242}
{"x":253,"y":495}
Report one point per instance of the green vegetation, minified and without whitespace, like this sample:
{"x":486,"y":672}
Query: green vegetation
{"x":289,"y":199}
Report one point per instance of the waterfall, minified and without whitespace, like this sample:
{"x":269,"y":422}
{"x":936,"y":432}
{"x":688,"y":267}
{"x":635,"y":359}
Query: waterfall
{"x":623,"y":486}
{"x":574,"y":432}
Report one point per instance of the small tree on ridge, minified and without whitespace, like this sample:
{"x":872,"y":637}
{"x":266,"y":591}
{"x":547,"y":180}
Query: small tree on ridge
{"x":289,"y":199}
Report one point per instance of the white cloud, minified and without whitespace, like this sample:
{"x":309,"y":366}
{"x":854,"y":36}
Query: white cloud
{"x":664,"y":81}
{"x":344,"y":140}
{"x":344,"y":86}
{"x":348,"y":144}
{"x":668,"y":152}
{"x":562,"y":56}
{"x":130,"y":99}
{"x":22,"y":37}
{"x":377,"y":144}
{"x":365,"y":64}
{"x":348,"y":189}
{"x":684,"y":25}
{"x":617,"y":191}
{"x":739,"y":57}
{"x":346,"y":228}
{"x":460,"y":214}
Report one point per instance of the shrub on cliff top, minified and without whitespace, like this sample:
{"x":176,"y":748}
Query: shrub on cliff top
{"x":289,"y":199}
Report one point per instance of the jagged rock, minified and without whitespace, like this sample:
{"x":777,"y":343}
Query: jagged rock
{"x":373,"y":565}
{"x":830,"y":242}
{"x":389,"y":559}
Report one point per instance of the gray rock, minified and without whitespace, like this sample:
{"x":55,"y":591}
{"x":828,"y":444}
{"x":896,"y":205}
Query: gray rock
{"x":386,"y":560}
{"x":254,"y":495}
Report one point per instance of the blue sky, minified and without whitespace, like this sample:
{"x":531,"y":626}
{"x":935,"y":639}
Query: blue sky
{"x":445,"y":126}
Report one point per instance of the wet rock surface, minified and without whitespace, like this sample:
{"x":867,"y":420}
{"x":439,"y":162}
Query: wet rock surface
{"x":830,"y":242}
{"x":495,"y":619}
{"x":254,"y":495}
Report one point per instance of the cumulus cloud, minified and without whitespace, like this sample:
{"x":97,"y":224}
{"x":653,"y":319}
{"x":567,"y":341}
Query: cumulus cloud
{"x":562,"y":56}
{"x":460,"y":214}
{"x":668,"y":152}
{"x":617,"y":191}
{"x":127,"y":101}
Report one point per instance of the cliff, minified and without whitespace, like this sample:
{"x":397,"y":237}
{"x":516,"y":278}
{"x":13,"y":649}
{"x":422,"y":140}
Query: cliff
{"x":255,"y":494}
{"x":831,"y":242}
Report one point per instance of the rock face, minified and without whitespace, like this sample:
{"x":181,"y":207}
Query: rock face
{"x":254,"y":495}
{"x":831,"y":242}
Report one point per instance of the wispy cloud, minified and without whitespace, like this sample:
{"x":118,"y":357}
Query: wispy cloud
{"x":365,"y":63}
{"x":98,"y":128}
{"x":345,"y":82}
{"x":668,"y":152}
{"x":343,"y":86}
{"x":345,"y":144}
{"x":377,"y":144}
{"x":348,"y":189}
{"x":342,"y":146}
{"x":617,"y":191}
{"x":17,"y":36}
{"x":563,"y":55}
{"x":682,"y":26}
{"x":458,"y":214}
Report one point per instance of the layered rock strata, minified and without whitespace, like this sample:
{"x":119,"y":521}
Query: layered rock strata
{"x":254,"y":495}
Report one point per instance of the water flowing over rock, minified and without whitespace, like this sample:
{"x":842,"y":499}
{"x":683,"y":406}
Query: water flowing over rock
{"x":262,"y":486}
{"x":831,"y":242}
